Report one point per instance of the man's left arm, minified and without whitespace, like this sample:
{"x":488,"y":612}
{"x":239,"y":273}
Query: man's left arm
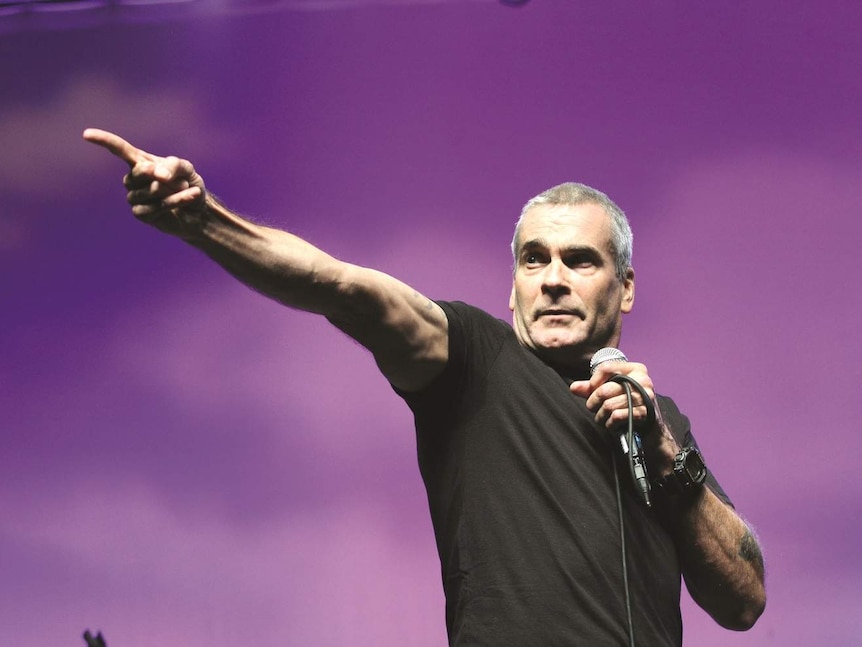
{"x":719,"y":555}
{"x":720,"y":558}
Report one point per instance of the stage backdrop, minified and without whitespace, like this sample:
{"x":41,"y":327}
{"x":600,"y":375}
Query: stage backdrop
{"x":185,"y":463}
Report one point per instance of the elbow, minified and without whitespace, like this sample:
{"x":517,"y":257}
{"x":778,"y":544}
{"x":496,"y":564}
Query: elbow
{"x":737,"y":609}
{"x":752,"y":612}
{"x":744,"y":615}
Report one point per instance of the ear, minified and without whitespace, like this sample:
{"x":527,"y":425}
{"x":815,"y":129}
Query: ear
{"x":512,"y":298}
{"x":628,"y":297}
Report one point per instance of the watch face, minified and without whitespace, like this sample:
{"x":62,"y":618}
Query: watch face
{"x":695,"y":467}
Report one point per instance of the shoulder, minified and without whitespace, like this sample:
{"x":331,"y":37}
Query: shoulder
{"x":469,"y":318}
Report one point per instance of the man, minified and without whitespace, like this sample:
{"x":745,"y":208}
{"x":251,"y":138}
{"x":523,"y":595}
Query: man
{"x":542,"y":537}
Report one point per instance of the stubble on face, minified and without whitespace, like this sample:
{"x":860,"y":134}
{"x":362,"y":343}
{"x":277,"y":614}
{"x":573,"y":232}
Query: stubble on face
{"x":567,"y":301}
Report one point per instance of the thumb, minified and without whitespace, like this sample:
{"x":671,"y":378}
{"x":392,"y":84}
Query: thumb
{"x":581,"y":388}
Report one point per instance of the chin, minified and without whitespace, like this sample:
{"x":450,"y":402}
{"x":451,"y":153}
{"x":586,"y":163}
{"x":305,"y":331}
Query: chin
{"x":558,"y":342}
{"x":561,"y":350}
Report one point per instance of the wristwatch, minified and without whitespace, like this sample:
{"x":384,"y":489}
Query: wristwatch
{"x":687,"y":477}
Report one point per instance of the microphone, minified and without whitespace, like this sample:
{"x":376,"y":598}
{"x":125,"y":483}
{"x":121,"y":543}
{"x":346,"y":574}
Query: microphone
{"x":616,"y":355}
{"x":606,"y":355}
{"x":609,"y":354}
{"x":631,"y":441}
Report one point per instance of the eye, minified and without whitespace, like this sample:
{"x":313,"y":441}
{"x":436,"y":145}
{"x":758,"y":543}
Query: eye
{"x":532,"y":259}
{"x":580,"y":260}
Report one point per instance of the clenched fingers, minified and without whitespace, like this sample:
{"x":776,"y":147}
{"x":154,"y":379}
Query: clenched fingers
{"x":608,"y":399}
{"x":612,"y":416}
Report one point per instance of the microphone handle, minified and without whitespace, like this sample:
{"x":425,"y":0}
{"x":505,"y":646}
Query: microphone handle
{"x":637,"y":463}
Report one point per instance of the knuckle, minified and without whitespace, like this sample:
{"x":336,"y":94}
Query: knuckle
{"x":175,"y":164}
{"x":607,"y":390}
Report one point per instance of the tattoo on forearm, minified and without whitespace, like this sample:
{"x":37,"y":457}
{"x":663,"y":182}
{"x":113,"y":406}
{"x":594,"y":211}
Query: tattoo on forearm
{"x":749,"y":550}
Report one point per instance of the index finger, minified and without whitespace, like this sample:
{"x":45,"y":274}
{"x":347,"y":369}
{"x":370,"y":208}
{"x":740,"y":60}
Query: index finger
{"x":116,"y":145}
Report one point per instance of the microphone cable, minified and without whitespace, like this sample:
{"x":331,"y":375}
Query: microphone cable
{"x":637,"y":468}
{"x":626,"y":593}
{"x":632,"y":448}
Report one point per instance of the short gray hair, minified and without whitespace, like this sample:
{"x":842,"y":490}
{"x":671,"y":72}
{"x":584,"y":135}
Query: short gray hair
{"x":574,"y":193}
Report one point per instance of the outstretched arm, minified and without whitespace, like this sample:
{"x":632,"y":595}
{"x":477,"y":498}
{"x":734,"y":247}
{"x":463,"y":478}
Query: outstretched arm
{"x":406,"y":332}
{"x":720,"y":558}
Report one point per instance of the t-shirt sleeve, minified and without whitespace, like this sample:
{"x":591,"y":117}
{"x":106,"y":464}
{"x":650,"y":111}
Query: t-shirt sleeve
{"x":475,"y":339}
{"x":444,"y":389}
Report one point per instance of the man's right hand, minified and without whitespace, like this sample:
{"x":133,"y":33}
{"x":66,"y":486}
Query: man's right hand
{"x":165,"y":192}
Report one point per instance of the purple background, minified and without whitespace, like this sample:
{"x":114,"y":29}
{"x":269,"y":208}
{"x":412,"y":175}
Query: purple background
{"x":185,"y":463}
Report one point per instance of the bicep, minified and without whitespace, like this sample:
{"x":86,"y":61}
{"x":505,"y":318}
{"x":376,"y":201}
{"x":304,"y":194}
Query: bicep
{"x":405,"y":331}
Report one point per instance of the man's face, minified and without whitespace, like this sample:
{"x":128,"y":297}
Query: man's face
{"x":566,"y":298}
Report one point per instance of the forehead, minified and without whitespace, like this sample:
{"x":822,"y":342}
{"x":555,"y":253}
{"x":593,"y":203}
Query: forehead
{"x":564,"y":225}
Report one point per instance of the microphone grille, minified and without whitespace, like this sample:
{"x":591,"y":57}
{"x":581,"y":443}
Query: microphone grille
{"x":606,"y":355}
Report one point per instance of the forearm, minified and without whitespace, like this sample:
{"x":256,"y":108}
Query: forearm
{"x":405,"y":331}
{"x":720,"y":558}
{"x":272,"y":262}
{"x":168,"y":194}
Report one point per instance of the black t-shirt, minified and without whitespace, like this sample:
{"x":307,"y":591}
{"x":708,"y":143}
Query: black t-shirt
{"x":520,"y":484}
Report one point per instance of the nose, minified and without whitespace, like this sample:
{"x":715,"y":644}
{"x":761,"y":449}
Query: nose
{"x":554,"y":279}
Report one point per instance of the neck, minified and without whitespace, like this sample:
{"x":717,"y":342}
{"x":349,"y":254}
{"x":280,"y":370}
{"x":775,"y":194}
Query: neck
{"x":570,"y":368}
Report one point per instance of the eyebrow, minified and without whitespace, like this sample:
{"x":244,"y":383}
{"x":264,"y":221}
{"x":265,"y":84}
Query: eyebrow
{"x":534,"y":243}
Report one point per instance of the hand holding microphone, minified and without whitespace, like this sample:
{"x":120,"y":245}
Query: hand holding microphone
{"x":611,"y":411}
{"x":606,"y":397}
